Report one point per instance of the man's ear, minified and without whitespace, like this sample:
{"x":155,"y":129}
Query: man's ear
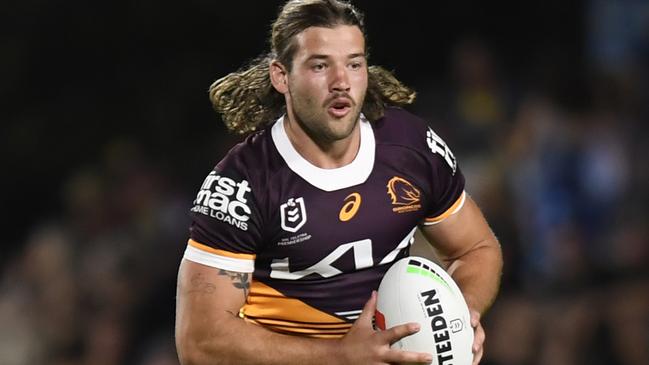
{"x":278,"y":76}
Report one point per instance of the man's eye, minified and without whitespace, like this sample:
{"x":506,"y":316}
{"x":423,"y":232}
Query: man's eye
{"x":319,"y":66}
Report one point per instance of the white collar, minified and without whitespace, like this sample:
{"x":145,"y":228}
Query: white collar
{"x":351,"y":174}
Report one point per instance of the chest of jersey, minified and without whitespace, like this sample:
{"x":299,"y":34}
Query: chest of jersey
{"x":315,"y":234}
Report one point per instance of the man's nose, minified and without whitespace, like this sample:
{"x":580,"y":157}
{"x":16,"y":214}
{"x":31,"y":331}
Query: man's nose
{"x":340,"y":79}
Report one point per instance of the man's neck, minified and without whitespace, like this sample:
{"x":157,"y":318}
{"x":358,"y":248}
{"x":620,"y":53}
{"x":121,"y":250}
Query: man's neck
{"x":323,"y":154}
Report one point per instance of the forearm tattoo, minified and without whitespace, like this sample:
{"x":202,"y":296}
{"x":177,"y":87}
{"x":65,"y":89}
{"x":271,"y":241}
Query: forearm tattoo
{"x":239,"y":280}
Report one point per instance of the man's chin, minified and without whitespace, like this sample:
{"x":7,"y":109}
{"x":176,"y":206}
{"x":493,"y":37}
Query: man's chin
{"x":342,"y":128}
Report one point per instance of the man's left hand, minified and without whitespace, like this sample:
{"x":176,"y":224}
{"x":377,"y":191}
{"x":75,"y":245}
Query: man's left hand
{"x":478,"y":336}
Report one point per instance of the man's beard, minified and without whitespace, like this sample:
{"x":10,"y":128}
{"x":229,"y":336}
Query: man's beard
{"x":315,"y":121}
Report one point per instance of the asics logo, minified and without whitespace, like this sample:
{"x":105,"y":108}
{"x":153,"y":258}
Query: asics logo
{"x":349,"y":209}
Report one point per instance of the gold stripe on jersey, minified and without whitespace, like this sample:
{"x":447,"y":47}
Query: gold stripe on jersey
{"x":267,"y":307}
{"x":301,"y":332}
{"x":298,"y":324}
{"x":294,"y":329}
{"x":200,"y":246}
{"x":450,"y":211}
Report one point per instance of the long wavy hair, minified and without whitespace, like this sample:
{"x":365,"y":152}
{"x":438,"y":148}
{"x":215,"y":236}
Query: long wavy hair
{"x":247,"y":100}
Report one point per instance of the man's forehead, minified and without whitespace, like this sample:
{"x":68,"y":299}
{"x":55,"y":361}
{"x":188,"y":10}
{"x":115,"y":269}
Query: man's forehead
{"x":341,"y":39}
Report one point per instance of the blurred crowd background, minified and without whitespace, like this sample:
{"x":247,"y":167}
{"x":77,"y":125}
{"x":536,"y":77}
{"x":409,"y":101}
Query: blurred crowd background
{"x":107,"y":133}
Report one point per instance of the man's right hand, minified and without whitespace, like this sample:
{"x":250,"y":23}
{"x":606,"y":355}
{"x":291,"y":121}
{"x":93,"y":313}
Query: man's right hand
{"x":365,"y":345}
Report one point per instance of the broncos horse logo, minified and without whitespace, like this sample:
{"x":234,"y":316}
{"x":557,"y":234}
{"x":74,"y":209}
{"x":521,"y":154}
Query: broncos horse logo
{"x":403,"y":195}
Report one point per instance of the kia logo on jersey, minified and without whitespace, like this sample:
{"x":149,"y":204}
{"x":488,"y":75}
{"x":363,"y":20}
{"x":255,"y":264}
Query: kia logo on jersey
{"x":293,"y":214}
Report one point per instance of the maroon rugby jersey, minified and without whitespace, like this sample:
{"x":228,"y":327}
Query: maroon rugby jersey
{"x":318,"y":241}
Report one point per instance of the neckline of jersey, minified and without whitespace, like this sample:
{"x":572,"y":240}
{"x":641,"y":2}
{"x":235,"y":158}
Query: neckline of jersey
{"x":354,"y":173}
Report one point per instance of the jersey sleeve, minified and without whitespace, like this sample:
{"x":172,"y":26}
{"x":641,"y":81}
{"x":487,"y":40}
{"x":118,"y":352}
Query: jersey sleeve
{"x":446,"y":179}
{"x":225,"y":230}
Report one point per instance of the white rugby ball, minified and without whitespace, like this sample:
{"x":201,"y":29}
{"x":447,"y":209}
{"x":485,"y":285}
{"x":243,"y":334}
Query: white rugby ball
{"x":416,"y":289}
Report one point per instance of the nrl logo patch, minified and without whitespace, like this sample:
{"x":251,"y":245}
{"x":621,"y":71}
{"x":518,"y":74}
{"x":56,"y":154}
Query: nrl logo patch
{"x":293,"y":214}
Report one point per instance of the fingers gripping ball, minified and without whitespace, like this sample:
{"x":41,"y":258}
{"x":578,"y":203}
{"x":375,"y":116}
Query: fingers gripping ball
{"x":417,"y":290}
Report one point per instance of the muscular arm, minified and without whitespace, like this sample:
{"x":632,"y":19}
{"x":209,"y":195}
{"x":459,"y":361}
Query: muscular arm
{"x":472,"y":255}
{"x":208,"y":330}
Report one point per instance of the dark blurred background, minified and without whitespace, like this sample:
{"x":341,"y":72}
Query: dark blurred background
{"x":107,"y":133}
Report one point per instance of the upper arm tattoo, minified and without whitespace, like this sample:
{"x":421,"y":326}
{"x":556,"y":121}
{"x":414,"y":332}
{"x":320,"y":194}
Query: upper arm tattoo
{"x":239,"y":280}
{"x":198,"y":284}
